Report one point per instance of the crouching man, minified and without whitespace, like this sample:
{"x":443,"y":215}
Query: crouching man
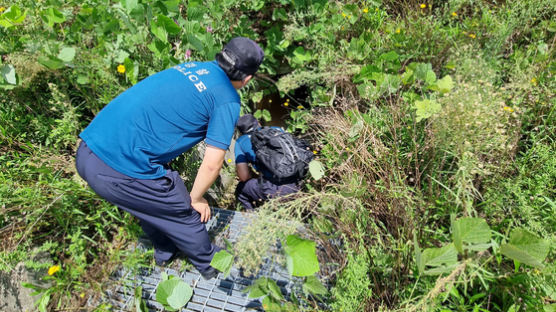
{"x":126,"y":148}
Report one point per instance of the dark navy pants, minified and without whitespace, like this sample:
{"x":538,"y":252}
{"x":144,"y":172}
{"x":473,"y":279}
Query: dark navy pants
{"x":254,"y":192}
{"x":162,"y":205}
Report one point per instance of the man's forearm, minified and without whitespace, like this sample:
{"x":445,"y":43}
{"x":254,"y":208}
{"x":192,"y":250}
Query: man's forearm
{"x":208,"y":172}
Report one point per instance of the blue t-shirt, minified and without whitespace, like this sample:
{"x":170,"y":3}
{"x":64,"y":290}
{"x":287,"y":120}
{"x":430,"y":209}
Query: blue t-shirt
{"x":163,"y":116}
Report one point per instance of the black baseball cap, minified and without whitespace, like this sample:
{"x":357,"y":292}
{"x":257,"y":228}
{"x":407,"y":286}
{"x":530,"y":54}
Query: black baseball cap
{"x":243,"y":54}
{"x":247,"y":123}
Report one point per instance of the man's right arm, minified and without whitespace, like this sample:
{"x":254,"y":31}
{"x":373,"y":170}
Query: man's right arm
{"x":243,"y":172}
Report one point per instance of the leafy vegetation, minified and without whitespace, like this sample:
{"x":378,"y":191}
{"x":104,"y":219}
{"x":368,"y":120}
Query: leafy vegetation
{"x":433,"y":124}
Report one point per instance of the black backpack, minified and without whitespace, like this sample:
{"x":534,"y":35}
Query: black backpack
{"x":281,"y":154}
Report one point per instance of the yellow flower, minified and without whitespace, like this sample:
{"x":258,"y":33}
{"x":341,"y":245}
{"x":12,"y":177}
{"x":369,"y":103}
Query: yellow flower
{"x":315,"y":152}
{"x":344,"y":15}
{"x":349,"y":16}
{"x":398,"y":30}
{"x":376,"y":9}
{"x":472,"y":36}
{"x":365,"y":10}
{"x":229,"y":160}
{"x":508,"y":109}
{"x":53,"y":269}
{"x":2,"y":9}
{"x":423,"y":5}
{"x":534,"y":81}
{"x":121,"y":69}
{"x":454,"y":14}
{"x":82,"y":295}
{"x":299,"y":107}
{"x":286,"y":104}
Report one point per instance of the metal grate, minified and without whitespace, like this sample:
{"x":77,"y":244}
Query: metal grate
{"x":217,"y":294}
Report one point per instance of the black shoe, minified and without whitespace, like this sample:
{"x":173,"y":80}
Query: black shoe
{"x":210,"y":273}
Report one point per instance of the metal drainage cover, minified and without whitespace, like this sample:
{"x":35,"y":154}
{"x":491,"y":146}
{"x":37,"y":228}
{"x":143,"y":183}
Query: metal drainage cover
{"x":217,"y":294}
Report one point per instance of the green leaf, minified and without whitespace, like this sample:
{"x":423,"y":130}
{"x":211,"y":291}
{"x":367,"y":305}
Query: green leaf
{"x":526,"y":248}
{"x":444,"y":85}
{"x":442,"y":260}
{"x":180,"y":295}
{"x":390,"y":56}
{"x":51,"y":62}
{"x":301,"y":56}
{"x":314,"y":286}
{"x":129,"y":5}
{"x":301,"y":256}
{"x":67,"y":54}
{"x":159,"y":32}
{"x":426,"y":108}
{"x":316,"y":169}
{"x":222,"y":261}
{"x":273,"y":290}
{"x":471,"y":231}
{"x":7,"y":72}
{"x":271,"y":305}
{"x":12,"y":16}
{"x":195,"y":42}
{"x":550,"y":307}
{"x":173,"y":293}
{"x":168,"y":24}
{"x":53,"y":16}
{"x":258,"y":289}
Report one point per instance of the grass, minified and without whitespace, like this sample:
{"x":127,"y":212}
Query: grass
{"x":390,"y":180}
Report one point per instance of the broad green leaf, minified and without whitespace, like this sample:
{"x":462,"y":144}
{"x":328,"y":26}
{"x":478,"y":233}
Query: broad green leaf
{"x":173,"y":293}
{"x":430,"y":77}
{"x":172,"y":5}
{"x":273,"y":290}
{"x":195,"y":42}
{"x":12,"y":16}
{"x":53,"y":16}
{"x":301,"y":256}
{"x":159,"y":32}
{"x":312,"y":285}
{"x":421,"y":70}
{"x":129,"y":5}
{"x":444,"y":85}
{"x":67,"y":54}
{"x":526,"y":248}
{"x":7,"y":72}
{"x":390,"y":56}
{"x":168,"y":24}
{"x":316,"y":169}
{"x":257,"y":97}
{"x":439,"y":256}
{"x":222,"y":261}
{"x":180,"y":295}
{"x":271,"y":305}
{"x":258,"y":289}
{"x":301,"y":56}
{"x":550,"y":307}
{"x":471,"y":231}
{"x":51,"y":62}
{"x":131,"y":70}
{"x":426,"y":108}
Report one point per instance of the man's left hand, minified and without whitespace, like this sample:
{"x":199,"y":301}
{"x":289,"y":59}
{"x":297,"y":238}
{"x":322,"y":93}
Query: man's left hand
{"x":202,"y":207}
